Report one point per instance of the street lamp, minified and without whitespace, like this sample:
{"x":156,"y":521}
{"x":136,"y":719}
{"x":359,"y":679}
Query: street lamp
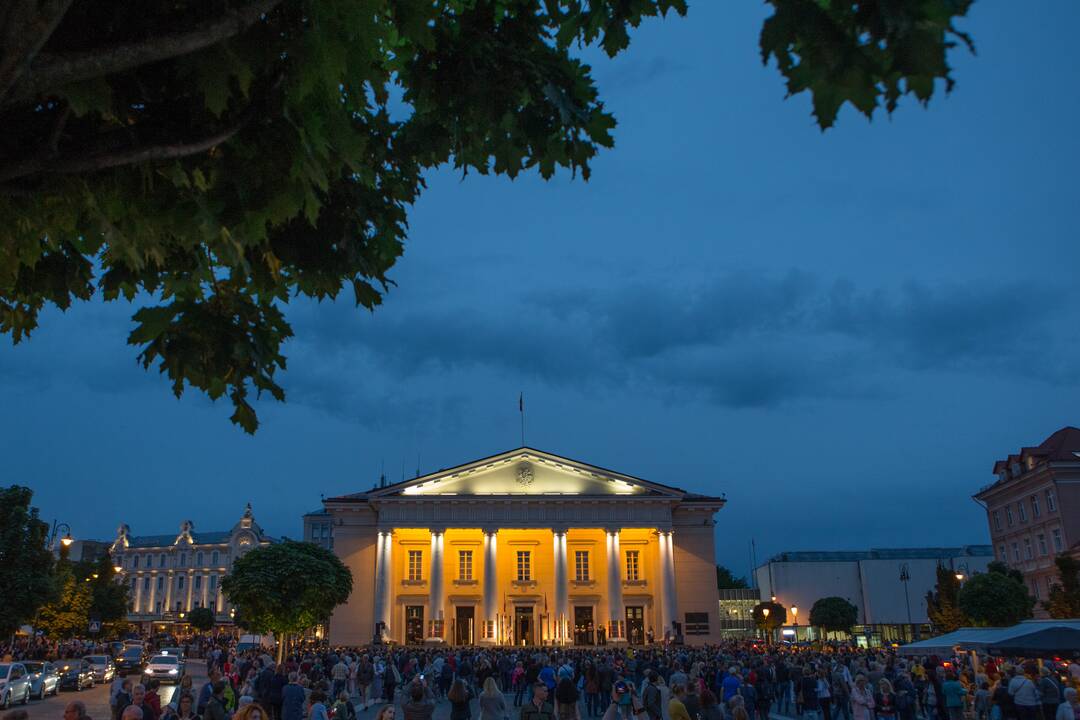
{"x":65,"y":541}
{"x":795,"y":620}
{"x":765,"y":614}
{"x":905,"y":577}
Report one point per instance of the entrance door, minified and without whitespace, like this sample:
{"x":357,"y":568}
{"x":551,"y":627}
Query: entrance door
{"x":583,"y":626}
{"x":635,"y":624}
{"x":414,"y":624}
{"x":523,"y":626}
{"x":464,"y":618}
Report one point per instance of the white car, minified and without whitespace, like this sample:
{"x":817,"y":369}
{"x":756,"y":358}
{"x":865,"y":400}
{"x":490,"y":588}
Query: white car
{"x":103,"y":668}
{"x":166,"y":668}
{"x":14,"y":684}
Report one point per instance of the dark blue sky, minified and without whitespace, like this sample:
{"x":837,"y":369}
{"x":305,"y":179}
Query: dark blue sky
{"x":840,"y":331}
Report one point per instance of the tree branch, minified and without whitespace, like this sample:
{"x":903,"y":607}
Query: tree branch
{"x":25,"y":26}
{"x":49,"y":72}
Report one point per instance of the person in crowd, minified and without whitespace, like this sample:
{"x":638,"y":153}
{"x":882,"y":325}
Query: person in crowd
{"x":676,"y":707}
{"x":566,"y":699}
{"x":460,"y":697}
{"x":215,"y":706}
{"x":885,"y":700}
{"x":1070,"y":708}
{"x":421,"y":704}
{"x":492,"y":701}
{"x":184,"y":708}
{"x":386,"y":712}
{"x":651,"y":697}
{"x":862,"y":699}
{"x":954,"y":693}
{"x":74,"y":710}
{"x":250,"y":711}
{"x":1050,"y":693}
{"x":538,"y":707}
{"x":293,"y":699}
{"x":1025,"y":693}
{"x":317,"y":706}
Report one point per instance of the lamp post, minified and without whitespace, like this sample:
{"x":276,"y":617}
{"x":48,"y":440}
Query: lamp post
{"x":765,"y":614}
{"x":65,"y":541}
{"x":905,"y":577}
{"x":795,"y":621}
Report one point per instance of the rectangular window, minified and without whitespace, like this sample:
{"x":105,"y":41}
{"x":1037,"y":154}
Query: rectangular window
{"x":1016,"y":552}
{"x":134,"y":561}
{"x":997,"y":519}
{"x":1056,"y":535}
{"x":1035,"y":510}
{"x":146,"y":584}
{"x":697,"y":623}
{"x":314,"y":533}
{"x":416,"y":564}
{"x":1027,"y":549}
{"x":180,"y":583}
{"x":198,"y":559}
{"x":1002,"y":555}
{"x":464,"y":564}
{"x":633,"y":565}
{"x":524,"y":565}
{"x":1023,"y":513}
{"x":1008,"y":515}
{"x":1051,"y":506}
{"x":214,"y":558}
{"x":581,"y":565}
{"x":1042,"y":544}
{"x":213,"y":582}
{"x":161,"y":560}
{"x":160,"y":583}
{"x":183,"y":559}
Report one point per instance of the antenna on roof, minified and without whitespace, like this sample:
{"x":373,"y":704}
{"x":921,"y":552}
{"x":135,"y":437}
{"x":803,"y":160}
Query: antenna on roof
{"x":417,"y":463}
{"x":382,"y":473}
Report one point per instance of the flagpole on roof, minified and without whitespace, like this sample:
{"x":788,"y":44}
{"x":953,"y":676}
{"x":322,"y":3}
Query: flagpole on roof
{"x":521,"y":410}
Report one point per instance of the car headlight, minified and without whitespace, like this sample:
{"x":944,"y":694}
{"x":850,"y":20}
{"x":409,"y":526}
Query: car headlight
{"x":147,"y":670}
{"x":174,"y":671}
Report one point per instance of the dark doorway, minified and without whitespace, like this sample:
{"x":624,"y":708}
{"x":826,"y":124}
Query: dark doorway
{"x":583,"y":626}
{"x":635,"y":625}
{"x":523,"y":626}
{"x":414,"y":624}
{"x":464,"y":619}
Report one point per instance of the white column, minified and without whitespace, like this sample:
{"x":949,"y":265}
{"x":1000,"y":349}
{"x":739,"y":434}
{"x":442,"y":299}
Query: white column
{"x":491,"y":586}
{"x":616,"y":613}
{"x":205,"y":591}
{"x":669,"y":603}
{"x":169,"y":579}
{"x":150,"y":606}
{"x":190,"y":589}
{"x":383,"y":575}
{"x":435,"y":588}
{"x":138,"y":593}
{"x":562,"y":586}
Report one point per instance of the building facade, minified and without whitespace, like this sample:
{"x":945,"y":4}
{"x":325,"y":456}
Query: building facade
{"x":171,"y":575}
{"x":1033,"y":509}
{"x":526,"y":548}
{"x":736,"y":616}
{"x":319,"y":528}
{"x":891,"y":608}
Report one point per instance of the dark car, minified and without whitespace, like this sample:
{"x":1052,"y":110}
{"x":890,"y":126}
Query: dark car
{"x":75,"y":674}
{"x":130,"y":661}
{"x":44,"y":678}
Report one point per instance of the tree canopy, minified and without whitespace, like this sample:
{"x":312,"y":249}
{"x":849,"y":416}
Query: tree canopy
{"x":726,"y":580}
{"x":201,"y":618}
{"x":942,"y":603}
{"x":82,"y":591}
{"x":25,"y":563}
{"x":835,"y":614}
{"x":287,"y":587}
{"x":995,"y":599}
{"x":212,"y":160}
{"x":777,"y":615}
{"x":1064,"y":598}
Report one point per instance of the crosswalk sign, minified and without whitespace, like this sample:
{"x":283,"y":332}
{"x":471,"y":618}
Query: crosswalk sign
{"x":95,"y":626}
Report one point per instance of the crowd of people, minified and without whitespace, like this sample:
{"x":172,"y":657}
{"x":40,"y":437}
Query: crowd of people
{"x":736,"y":680}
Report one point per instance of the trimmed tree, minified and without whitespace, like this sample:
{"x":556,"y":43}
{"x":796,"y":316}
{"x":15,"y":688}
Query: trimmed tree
{"x":777,"y":615}
{"x":202,"y":619}
{"x":287,"y":587}
{"x":995,"y":599}
{"x":834,"y":614}
{"x":210,"y":161}
{"x":1064,"y":599}
{"x":68,"y":614}
{"x":26,"y":565}
{"x":942,"y":605}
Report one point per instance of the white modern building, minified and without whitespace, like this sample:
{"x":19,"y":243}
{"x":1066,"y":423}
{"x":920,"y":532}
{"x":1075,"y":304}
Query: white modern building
{"x":887,"y":585}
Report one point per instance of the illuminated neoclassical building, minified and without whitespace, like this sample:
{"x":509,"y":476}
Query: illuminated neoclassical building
{"x":526,"y":547}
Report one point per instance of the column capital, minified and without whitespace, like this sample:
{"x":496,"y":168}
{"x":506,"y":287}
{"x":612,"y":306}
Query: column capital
{"x":437,"y":530}
{"x":385,"y":531}
{"x":612,"y":530}
{"x":490,"y":530}
{"x":560,"y":529}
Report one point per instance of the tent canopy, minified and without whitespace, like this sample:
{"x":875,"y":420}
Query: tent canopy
{"x":1029,"y":638}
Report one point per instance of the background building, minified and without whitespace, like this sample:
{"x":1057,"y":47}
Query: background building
{"x":170,"y":575}
{"x":525,"y":547}
{"x":84,"y":550}
{"x":319,"y":528}
{"x":1033,"y":509}
{"x":890,"y":609}
{"x":736,"y":616}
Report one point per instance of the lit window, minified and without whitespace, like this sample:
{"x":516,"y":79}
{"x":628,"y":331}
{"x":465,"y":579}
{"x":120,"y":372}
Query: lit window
{"x":581,"y":565}
{"x":1056,"y":535}
{"x":1022,"y":511}
{"x":1042,"y":544}
{"x":416,"y":564}
{"x":1016,"y":552}
{"x":1051,"y":505}
{"x":1027,"y":548}
{"x":464,"y":564}
{"x":1008,"y":515}
{"x":997,"y":520}
{"x":1035,"y":511}
{"x":524,"y":565}
{"x":633,"y":565}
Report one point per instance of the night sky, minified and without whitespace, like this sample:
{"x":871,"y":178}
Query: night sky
{"x":840,"y":331}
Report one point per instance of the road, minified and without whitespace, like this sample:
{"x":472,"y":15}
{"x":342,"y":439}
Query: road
{"x":97,"y":698}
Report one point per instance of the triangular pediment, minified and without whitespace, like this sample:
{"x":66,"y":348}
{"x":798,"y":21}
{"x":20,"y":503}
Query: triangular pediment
{"x":526,"y":472}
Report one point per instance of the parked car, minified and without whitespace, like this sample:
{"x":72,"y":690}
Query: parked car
{"x":103,"y":667}
{"x":14,"y":684}
{"x":75,"y":674}
{"x":130,"y":661}
{"x":166,"y":668}
{"x":44,"y":679}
